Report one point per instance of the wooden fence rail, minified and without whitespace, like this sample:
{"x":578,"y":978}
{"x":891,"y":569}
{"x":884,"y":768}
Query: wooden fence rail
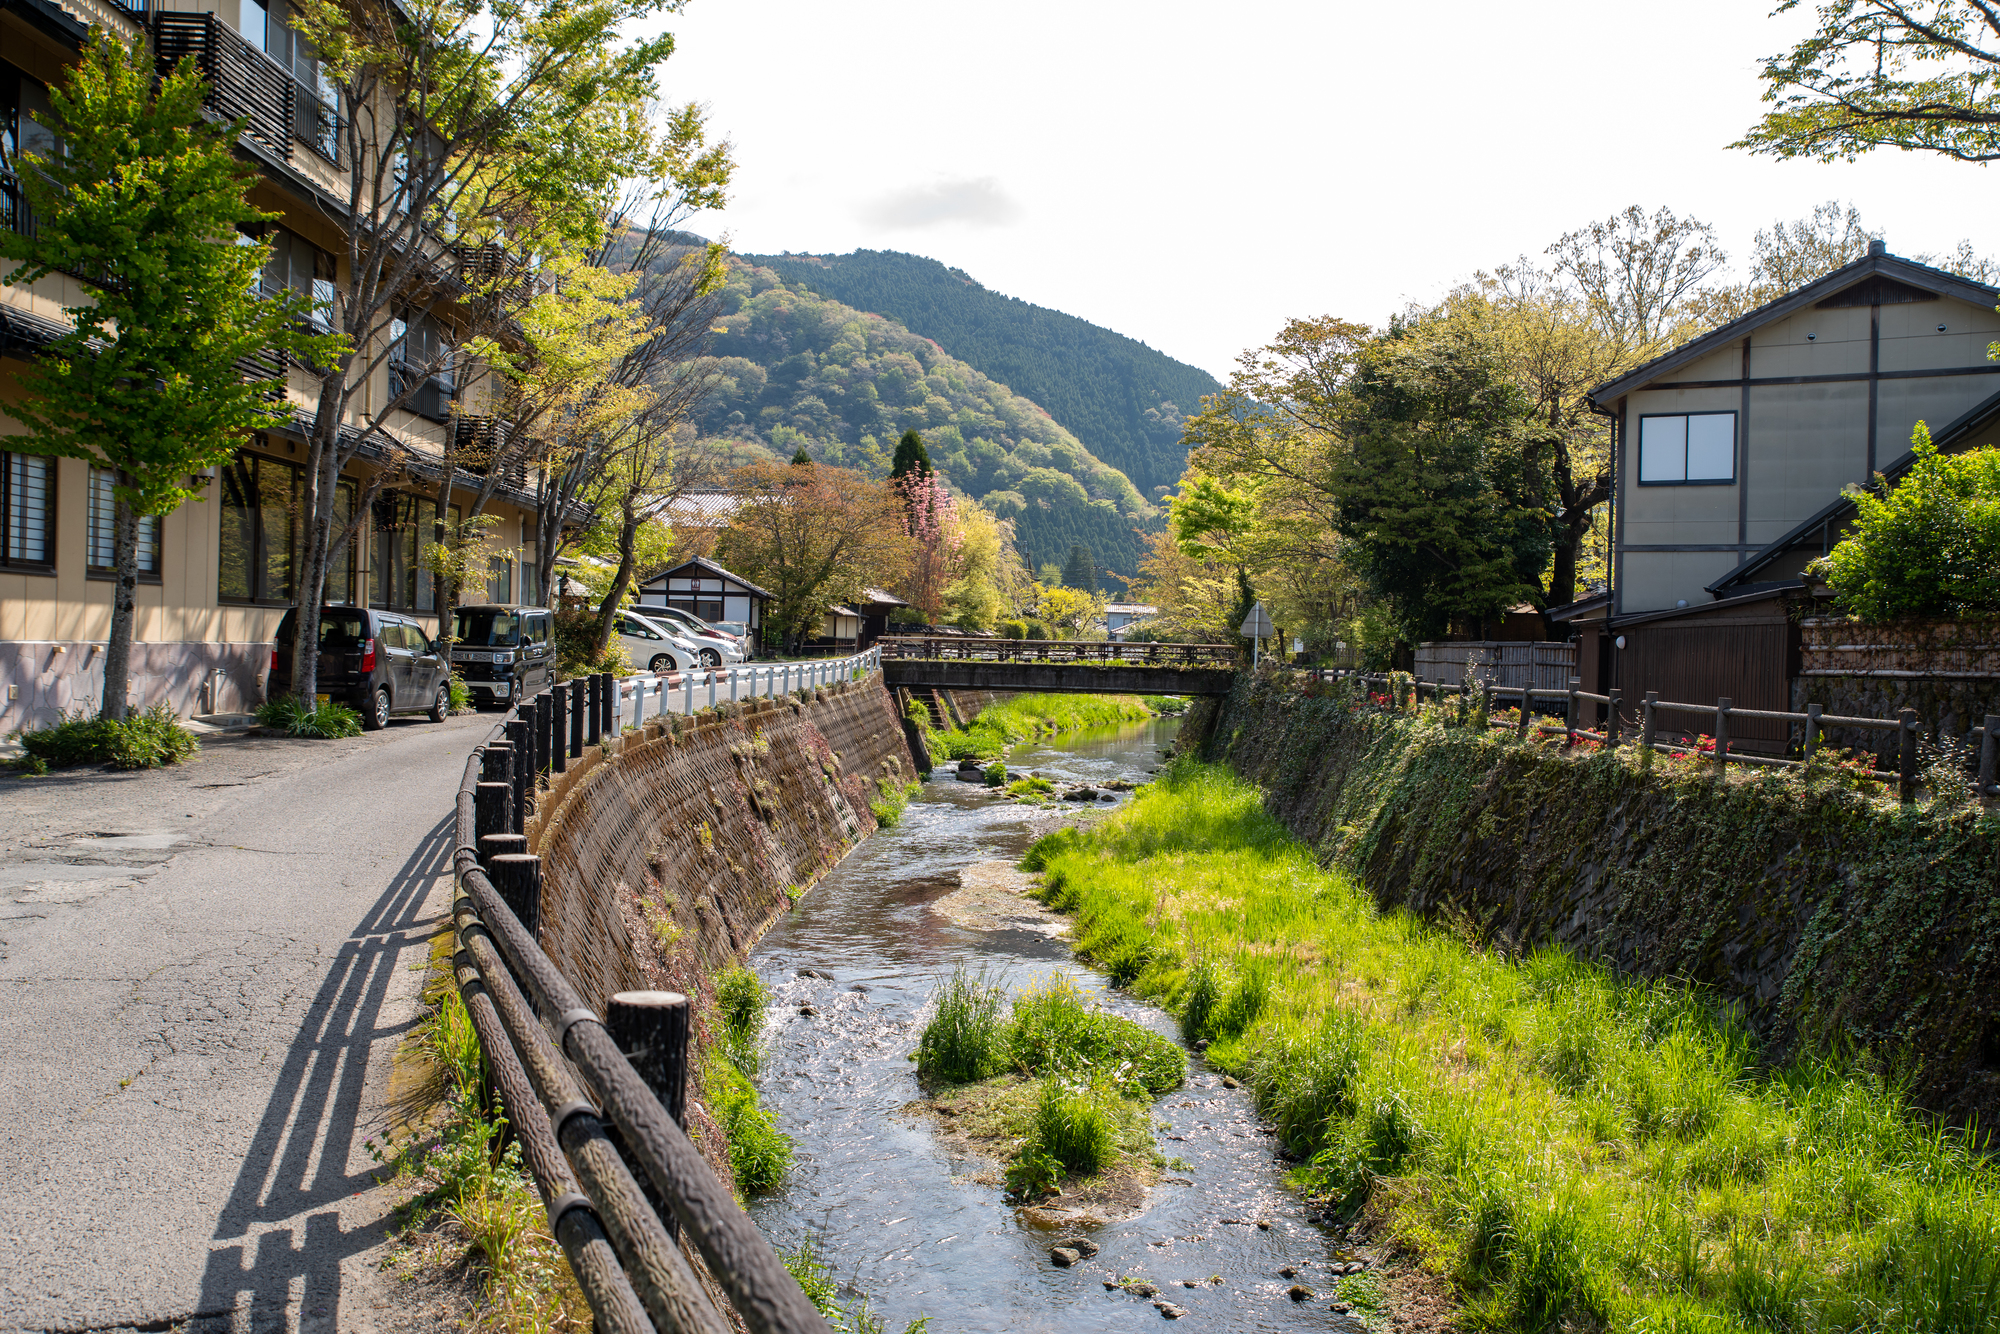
{"x":935,"y":648}
{"x":1813,"y":722}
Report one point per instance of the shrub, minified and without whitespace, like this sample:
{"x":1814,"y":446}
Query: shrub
{"x":575,"y":639}
{"x":1929,"y":546}
{"x":139,"y":741}
{"x":461,"y":694}
{"x":1013,"y":629}
{"x":1036,"y":630}
{"x":326,"y":723}
{"x":996,"y":774}
{"x":966,"y":1040}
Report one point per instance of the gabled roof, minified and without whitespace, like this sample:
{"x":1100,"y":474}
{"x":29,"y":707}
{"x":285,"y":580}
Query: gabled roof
{"x":1695,"y":609}
{"x":1583,"y":606}
{"x":1879,"y":266}
{"x":1954,"y":435}
{"x":881,"y":597}
{"x":703,"y":565}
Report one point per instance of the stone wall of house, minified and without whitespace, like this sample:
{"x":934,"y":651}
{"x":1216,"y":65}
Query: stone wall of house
{"x":1827,"y":916}
{"x":1948,"y":671}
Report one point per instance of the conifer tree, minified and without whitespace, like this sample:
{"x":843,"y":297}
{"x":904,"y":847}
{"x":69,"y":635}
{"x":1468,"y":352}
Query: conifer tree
{"x":802,"y":459}
{"x":1080,"y":570}
{"x":911,"y":456}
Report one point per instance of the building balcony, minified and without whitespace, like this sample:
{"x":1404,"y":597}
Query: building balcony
{"x":243,"y":82}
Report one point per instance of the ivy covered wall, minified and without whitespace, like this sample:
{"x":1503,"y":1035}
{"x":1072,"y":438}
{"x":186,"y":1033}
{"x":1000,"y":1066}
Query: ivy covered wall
{"x":1833,"y":918}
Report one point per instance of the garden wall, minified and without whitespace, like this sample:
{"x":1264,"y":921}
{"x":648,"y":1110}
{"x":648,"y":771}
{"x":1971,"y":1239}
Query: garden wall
{"x":1829,"y":918}
{"x":1948,"y":671}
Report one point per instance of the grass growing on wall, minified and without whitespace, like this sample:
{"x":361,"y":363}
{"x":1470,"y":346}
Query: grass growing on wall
{"x":1026,"y":717}
{"x":1565,"y":1145}
{"x":760,"y":1155}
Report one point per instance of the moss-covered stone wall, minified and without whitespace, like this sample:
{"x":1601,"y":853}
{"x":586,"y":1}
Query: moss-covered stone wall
{"x":1832,"y":918}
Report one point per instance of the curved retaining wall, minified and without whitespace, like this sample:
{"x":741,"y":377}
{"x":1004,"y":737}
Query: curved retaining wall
{"x":667,"y":852}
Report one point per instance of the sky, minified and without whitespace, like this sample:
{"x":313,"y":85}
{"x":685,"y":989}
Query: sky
{"x":1194,"y":175}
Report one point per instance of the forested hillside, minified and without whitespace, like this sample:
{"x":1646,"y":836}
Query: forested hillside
{"x":1122,"y":399}
{"x":802,"y":371}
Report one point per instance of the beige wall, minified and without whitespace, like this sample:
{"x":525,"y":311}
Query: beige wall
{"x":1801,"y":444}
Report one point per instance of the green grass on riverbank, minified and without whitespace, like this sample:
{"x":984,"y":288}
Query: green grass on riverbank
{"x":1565,"y":1145}
{"x":1024,"y":718}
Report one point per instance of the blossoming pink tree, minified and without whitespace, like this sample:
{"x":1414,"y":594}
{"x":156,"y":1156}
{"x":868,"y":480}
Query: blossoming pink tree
{"x":930,"y":517}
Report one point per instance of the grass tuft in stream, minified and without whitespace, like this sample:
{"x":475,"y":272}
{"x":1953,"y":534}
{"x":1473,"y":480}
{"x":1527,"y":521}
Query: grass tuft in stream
{"x":1097,"y":1074}
{"x":1025,"y":717}
{"x":760,"y":1155}
{"x":1574,"y":1149}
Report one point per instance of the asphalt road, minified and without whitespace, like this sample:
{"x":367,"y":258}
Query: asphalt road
{"x":204,"y":974}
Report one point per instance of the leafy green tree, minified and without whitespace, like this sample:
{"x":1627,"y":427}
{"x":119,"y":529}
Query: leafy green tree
{"x":1885,"y":73}
{"x":802,"y":459}
{"x":1929,"y":546}
{"x":1080,"y":570}
{"x":149,"y":200}
{"x":911,"y":456}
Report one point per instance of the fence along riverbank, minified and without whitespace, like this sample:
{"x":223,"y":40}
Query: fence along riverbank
{"x":599,"y":1103}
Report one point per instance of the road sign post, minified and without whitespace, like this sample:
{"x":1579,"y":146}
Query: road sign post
{"x":1257,"y":627}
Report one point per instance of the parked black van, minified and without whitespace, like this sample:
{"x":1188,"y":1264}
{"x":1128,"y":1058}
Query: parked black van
{"x":503,"y":652}
{"x":375,"y":662}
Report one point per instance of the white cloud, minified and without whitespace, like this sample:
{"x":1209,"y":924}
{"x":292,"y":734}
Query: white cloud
{"x":976,"y":203}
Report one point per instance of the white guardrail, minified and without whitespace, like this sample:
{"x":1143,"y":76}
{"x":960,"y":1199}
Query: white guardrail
{"x":652,"y":695}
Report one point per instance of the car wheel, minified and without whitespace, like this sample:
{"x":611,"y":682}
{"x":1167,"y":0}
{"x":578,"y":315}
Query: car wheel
{"x":660,"y":663}
{"x":441,"y":706}
{"x":376,"y":716}
{"x":710,"y":658}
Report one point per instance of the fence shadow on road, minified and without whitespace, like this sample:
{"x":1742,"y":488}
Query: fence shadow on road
{"x":297,"y":1170}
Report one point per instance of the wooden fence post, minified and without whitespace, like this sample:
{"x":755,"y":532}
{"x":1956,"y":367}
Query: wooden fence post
{"x":1813,"y":712}
{"x":489,"y":808}
{"x":517,"y":878}
{"x":651,"y":1031}
{"x":1522,"y":724}
{"x":1989,"y":758}
{"x":1569,"y":711}
{"x":1647,"y":728}
{"x":578,"y":705}
{"x":607,"y":701}
{"x":593,"y":703}
{"x":1611,"y":723}
{"x":556,"y":751}
{"x":1722,"y":735}
{"x":520,"y":733}
{"x":1486,"y":701}
{"x":1906,"y":785}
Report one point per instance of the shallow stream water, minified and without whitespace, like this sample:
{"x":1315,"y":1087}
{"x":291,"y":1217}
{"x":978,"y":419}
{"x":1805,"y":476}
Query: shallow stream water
{"x":896,"y":1212}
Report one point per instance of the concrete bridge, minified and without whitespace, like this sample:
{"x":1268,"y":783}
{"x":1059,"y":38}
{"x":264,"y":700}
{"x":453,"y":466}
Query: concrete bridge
{"x":1056,"y":666}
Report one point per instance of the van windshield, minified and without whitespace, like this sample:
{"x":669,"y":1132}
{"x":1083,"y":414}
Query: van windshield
{"x":488,"y":629}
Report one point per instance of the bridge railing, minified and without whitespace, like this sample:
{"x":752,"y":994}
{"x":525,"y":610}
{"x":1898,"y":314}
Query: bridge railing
{"x":598,"y":1102}
{"x":934,"y":648}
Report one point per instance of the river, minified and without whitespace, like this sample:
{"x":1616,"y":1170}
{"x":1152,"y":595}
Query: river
{"x":895,"y":1215}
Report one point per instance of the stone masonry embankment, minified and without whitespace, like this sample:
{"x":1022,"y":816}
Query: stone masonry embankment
{"x":667,"y":852}
{"x":1833,"y":920}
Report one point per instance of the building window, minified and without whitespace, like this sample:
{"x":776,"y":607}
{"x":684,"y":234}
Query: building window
{"x":405,"y":524}
{"x":1690,"y":449}
{"x":531,"y":563}
{"x":302,"y":267}
{"x":499,"y":579}
{"x":27,"y":507}
{"x":101,"y":531}
{"x":261,"y":512}
{"x":420,"y":365}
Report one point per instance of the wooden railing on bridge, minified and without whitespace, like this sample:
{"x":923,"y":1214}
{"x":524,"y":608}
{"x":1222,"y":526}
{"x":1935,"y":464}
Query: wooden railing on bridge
{"x":969,"y":648}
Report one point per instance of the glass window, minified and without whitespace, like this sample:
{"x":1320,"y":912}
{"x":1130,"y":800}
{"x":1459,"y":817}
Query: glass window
{"x":262,"y":508}
{"x":339,"y":631}
{"x":101,"y":529}
{"x":256,"y":24}
{"x":499,"y":579}
{"x":1696,"y":448}
{"x":27,"y":496}
{"x":487,"y":629}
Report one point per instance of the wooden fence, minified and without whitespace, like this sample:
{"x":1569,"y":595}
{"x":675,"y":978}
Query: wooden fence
{"x":1542,"y":666}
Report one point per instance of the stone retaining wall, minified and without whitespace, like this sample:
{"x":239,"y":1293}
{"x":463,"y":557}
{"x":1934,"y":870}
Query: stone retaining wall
{"x":1948,"y":671}
{"x":667,"y":852}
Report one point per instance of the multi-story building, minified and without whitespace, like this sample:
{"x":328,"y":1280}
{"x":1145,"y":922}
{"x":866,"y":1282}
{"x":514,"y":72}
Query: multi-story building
{"x":217,"y":574}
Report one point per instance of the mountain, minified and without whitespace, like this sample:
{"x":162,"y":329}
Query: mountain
{"x":1122,"y":399}
{"x":800,"y":370}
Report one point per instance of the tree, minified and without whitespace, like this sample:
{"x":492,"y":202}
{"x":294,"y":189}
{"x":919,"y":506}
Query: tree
{"x":1068,"y":611}
{"x":911,"y":456}
{"x":813,"y":536}
{"x":478,"y":143}
{"x":1929,"y":546}
{"x":1080,"y":570}
{"x":991,"y":578}
{"x":147,"y":198}
{"x":1885,"y":73}
{"x":802,"y":459}
{"x":930,"y":518}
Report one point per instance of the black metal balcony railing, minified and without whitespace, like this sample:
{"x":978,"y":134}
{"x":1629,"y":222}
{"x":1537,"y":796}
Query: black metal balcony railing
{"x":316,"y":124}
{"x":242,"y":81}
